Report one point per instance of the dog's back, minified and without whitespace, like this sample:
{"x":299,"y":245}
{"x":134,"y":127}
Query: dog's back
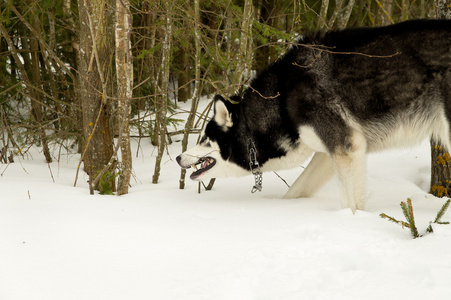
{"x":393,"y":81}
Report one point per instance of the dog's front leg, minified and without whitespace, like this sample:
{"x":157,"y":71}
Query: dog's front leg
{"x":351,"y":171}
{"x":318,"y":172}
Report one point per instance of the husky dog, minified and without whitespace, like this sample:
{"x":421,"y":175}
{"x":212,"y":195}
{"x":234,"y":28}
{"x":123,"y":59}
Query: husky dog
{"x":337,"y":95}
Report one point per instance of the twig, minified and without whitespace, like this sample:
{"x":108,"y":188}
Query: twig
{"x":268,"y":97}
{"x":282,"y":179}
{"x":391,"y":219}
{"x":324,"y":49}
{"x":51,"y":173}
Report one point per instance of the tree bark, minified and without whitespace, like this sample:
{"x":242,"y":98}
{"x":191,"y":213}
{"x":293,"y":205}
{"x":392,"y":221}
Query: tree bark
{"x":124,"y":73}
{"x":323,"y":14}
{"x":443,"y":9}
{"x":405,"y":9}
{"x":161,"y":104}
{"x":195,"y":98}
{"x":343,"y":18}
{"x":96,"y":52}
{"x":384,"y":12}
{"x":341,"y":14}
{"x":244,"y":65}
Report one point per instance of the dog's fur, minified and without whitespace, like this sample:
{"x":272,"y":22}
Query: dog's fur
{"x":338,"y":95}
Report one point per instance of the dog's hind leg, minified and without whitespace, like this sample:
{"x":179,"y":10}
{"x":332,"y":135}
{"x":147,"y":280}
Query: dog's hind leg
{"x":350,"y":167}
{"x":317,"y":173}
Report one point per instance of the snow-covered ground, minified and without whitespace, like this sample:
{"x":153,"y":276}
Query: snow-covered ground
{"x":159,"y":242}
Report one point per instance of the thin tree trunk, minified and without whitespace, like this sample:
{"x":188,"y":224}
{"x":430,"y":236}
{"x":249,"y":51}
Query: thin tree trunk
{"x":405,"y":9}
{"x":124,"y":73}
{"x":341,"y":15}
{"x":155,"y":75}
{"x":46,"y":66}
{"x":36,"y":77}
{"x":343,"y":18}
{"x":323,"y":14}
{"x":76,"y":112}
{"x":384,"y":12}
{"x":338,"y":8}
{"x":161,"y":105}
{"x":245,"y":64}
{"x":195,"y":98}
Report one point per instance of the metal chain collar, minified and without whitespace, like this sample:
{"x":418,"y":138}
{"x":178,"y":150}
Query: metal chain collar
{"x":255,"y":167}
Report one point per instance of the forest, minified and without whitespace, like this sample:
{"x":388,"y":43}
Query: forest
{"x":87,"y":75}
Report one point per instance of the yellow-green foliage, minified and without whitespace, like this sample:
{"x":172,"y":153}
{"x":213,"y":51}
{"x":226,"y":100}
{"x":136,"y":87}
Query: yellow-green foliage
{"x":106,"y":183}
{"x":439,"y":190}
{"x":443,"y":159}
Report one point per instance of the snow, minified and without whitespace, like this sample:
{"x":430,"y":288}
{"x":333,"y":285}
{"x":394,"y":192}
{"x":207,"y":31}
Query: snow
{"x":159,"y":242}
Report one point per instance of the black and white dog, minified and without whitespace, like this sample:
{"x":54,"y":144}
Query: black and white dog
{"x":339,"y":95}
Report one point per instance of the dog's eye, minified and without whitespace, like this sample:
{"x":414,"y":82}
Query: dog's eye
{"x":205,"y":141}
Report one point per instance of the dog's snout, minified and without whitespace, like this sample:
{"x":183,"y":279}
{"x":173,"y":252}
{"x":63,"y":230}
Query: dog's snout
{"x":184,"y":164}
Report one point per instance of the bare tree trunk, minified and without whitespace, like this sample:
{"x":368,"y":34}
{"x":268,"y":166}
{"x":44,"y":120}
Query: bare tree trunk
{"x":155,"y":75}
{"x":384,"y":12}
{"x":336,"y":12}
{"x":341,"y":14}
{"x":343,"y":18}
{"x":96,"y":52}
{"x":74,"y":45}
{"x":124,"y":73}
{"x":405,"y":9}
{"x":195,"y":98}
{"x":161,"y":104}
{"x":244,"y":66}
{"x":323,"y":14}
{"x":36,"y":77}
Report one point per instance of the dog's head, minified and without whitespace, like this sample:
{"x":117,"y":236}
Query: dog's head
{"x":213,"y":156}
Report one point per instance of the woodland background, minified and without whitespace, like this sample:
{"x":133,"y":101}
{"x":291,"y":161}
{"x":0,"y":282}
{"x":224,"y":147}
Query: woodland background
{"x":86,"y":75}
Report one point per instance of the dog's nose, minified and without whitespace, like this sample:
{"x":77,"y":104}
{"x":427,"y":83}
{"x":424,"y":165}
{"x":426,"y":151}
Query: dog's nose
{"x":178,"y":159}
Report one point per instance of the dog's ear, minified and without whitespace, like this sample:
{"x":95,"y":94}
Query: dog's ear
{"x":222,"y":115}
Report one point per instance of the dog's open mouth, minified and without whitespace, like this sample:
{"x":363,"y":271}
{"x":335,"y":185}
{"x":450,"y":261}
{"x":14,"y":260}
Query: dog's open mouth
{"x":206,"y":163}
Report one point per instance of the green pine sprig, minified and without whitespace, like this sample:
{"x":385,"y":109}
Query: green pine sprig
{"x":407,"y":210}
{"x":439,"y":216}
